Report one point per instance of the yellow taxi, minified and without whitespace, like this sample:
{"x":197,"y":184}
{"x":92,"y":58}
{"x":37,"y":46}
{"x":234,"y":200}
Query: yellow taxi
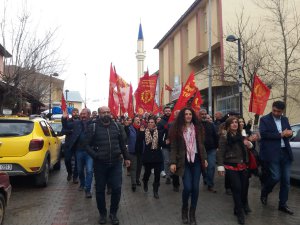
{"x":29,"y":147}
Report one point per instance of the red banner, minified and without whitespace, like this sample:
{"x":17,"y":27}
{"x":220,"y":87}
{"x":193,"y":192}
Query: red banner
{"x":130,"y":104}
{"x":63,"y":103}
{"x":145,"y":93}
{"x":187,"y":92}
{"x":156,"y":109}
{"x":197,"y":101}
{"x":259,"y":96}
{"x":112,"y":104}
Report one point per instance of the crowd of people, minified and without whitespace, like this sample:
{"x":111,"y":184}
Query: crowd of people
{"x":181,"y":151}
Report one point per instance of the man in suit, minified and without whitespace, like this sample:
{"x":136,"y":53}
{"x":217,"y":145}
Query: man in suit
{"x":276,"y":154}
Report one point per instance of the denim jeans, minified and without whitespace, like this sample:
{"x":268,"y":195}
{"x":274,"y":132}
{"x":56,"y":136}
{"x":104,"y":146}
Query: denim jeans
{"x":85,"y":169}
{"x":166,"y":155}
{"x":210,"y":170}
{"x":279,"y":171}
{"x":110,"y":173}
{"x":190,"y":180}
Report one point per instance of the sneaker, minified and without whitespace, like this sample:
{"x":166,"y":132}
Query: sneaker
{"x":88,"y":194}
{"x":81,"y":188}
{"x":162,"y":174}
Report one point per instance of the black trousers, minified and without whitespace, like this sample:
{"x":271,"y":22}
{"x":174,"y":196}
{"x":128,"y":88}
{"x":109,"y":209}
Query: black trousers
{"x":157,"y":170}
{"x":239,"y":181}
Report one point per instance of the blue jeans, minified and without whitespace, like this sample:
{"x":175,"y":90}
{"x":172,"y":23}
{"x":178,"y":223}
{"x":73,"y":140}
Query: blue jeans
{"x":110,"y":173}
{"x":190,"y":180}
{"x":210,"y":170}
{"x":279,"y":171}
{"x":85,"y":161}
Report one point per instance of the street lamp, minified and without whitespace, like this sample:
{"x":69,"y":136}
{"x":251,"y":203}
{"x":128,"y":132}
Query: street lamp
{"x":51,"y":75}
{"x":232,"y":38}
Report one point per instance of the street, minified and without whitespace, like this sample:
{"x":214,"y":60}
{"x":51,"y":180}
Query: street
{"x":62,"y":204}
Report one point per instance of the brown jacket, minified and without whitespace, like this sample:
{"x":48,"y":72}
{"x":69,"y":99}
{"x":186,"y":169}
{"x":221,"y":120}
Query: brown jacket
{"x":178,"y":153}
{"x":230,"y":154}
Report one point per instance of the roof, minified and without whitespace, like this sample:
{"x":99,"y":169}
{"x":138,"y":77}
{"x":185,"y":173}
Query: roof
{"x":181,"y":19}
{"x":4,"y":52}
{"x":140,"y":37}
{"x":73,"y":96}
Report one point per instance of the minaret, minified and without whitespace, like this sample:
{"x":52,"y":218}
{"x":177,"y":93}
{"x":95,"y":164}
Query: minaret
{"x":140,"y":54}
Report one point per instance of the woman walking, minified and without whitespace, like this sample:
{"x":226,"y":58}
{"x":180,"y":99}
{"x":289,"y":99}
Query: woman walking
{"x":232,"y":158}
{"x":152,"y":157}
{"x":188,"y":159}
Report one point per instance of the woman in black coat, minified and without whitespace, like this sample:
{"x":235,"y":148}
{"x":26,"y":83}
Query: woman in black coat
{"x":152,"y":156}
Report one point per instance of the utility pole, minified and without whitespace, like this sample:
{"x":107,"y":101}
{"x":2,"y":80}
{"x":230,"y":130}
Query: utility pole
{"x":209,"y":61}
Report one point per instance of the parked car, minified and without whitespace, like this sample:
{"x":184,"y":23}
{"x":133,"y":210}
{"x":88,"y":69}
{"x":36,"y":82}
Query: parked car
{"x":57,"y":127}
{"x":29,"y":147}
{"x":295,"y":145}
{"x":5,"y":191}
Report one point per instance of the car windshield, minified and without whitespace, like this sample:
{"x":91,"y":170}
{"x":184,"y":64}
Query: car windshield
{"x":296,"y":133}
{"x":13,"y":128}
{"x":56,"y":127}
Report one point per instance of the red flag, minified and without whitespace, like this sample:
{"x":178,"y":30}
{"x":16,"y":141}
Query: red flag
{"x":63,"y":103}
{"x":145,"y":93}
{"x":112,"y":104}
{"x":197,"y":101}
{"x":187,"y":92}
{"x":259,"y":96}
{"x":168,"y":88}
{"x":130,"y":103}
{"x":123,"y":93}
{"x":156,"y":109}
{"x":161,"y":100}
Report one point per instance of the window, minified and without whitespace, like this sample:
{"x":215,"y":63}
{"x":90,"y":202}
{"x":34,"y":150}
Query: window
{"x":45,"y":128}
{"x":296,"y":133}
{"x":228,"y":99}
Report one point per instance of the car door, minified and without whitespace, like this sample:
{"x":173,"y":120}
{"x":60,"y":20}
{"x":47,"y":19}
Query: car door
{"x":295,"y":145}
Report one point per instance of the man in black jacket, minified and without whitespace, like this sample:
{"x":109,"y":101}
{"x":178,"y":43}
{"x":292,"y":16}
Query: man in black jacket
{"x":211,"y":145}
{"x":106,"y":145}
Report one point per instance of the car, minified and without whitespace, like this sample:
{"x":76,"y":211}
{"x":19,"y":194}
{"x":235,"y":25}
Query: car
{"x":29,"y":147}
{"x":57,"y":127}
{"x":5,"y":192}
{"x":295,"y":145}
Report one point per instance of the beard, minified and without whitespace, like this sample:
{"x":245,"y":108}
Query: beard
{"x":106,"y":119}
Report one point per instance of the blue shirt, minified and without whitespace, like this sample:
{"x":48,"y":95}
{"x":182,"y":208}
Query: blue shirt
{"x":279,"y":128}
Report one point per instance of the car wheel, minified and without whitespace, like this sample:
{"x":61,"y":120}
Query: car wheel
{"x":42,"y":178}
{"x":2,"y":207}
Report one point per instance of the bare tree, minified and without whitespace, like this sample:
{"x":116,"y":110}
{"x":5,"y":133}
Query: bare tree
{"x":284,"y":45}
{"x":31,"y":54}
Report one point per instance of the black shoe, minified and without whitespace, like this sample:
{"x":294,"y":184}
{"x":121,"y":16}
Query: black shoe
{"x":247,"y":209}
{"x":211,"y":189}
{"x":241,"y":218}
{"x":69,"y":177}
{"x":285,"y":209}
{"x":133,"y":188}
{"x":264,"y":200}
{"x":114,"y":219}
{"x":88,"y":194}
{"x":228,"y":191}
{"x":168,"y":180}
{"x":176,"y":189}
{"x":155,"y":195}
{"x":102,"y":219}
{"x":75,"y":180}
{"x":145,"y":186}
{"x":138,"y":183}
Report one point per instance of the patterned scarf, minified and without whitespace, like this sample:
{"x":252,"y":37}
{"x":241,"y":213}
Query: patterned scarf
{"x":190,"y":142}
{"x":151,"y":138}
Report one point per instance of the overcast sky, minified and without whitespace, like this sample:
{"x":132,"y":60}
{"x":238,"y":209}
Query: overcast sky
{"x":95,"y":33}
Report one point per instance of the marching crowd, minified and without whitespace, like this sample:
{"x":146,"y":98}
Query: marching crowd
{"x":182,"y":150}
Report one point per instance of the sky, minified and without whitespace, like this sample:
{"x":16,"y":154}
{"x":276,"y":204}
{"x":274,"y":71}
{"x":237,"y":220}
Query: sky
{"x":94,"y":33}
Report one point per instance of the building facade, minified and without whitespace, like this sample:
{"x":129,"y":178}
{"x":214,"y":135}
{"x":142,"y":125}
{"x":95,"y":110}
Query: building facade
{"x":184,"y":48}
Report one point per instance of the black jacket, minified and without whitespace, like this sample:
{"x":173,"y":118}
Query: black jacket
{"x":211,"y":139}
{"x":106,"y":144}
{"x":152,"y":155}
